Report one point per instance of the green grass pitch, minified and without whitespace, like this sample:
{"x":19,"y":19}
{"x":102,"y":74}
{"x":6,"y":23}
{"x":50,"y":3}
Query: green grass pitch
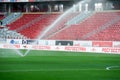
{"x":58,"y":65}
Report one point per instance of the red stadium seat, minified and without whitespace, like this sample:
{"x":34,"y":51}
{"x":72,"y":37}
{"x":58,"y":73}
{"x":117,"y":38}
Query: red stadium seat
{"x":76,"y":32}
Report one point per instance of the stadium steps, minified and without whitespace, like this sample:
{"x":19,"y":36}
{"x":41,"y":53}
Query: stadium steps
{"x":80,"y":17}
{"x":10,"y":18}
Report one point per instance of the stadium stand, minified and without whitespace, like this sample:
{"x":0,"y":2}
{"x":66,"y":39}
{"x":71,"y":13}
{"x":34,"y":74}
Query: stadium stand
{"x":88,"y":20}
{"x":112,"y":33}
{"x":24,"y":19}
{"x":60,"y":24}
{"x":30,"y":25}
{"x":9,"y":34}
{"x":93,"y":26}
{"x":36,"y":28}
{"x":78,"y":31}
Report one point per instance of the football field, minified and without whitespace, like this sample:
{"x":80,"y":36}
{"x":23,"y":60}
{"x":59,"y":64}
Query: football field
{"x":58,"y":65}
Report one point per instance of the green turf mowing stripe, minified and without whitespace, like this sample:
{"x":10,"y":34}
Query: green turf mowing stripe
{"x":55,"y":65}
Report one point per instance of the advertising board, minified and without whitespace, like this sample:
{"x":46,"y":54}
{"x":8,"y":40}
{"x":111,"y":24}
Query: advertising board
{"x":116,"y":44}
{"x":83,"y":43}
{"x":101,"y":43}
{"x":14,"y":41}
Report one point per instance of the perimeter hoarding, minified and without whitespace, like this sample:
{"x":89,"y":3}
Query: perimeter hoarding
{"x":56,"y":45}
{"x":110,"y":50}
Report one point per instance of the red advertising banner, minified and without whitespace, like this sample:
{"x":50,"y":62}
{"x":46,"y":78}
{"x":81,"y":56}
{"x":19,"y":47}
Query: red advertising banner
{"x":37,"y":47}
{"x":75,"y":48}
{"x":15,"y":46}
{"x":111,"y":50}
{"x":101,"y":43}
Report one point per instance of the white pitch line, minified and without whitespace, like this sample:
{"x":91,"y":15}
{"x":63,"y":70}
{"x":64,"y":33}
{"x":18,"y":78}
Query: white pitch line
{"x":48,"y":70}
{"x":35,"y":70}
{"x":110,"y":67}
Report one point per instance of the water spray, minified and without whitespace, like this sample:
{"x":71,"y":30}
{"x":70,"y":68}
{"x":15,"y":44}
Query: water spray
{"x":52,"y":26}
{"x":60,"y":19}
{"x":18,"y":52}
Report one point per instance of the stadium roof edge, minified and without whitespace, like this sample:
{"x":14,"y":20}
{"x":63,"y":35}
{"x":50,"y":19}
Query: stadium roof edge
{"x":11,"y":1}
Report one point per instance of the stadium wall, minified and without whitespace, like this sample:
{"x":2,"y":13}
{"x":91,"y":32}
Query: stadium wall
{"x":75,"y":46}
